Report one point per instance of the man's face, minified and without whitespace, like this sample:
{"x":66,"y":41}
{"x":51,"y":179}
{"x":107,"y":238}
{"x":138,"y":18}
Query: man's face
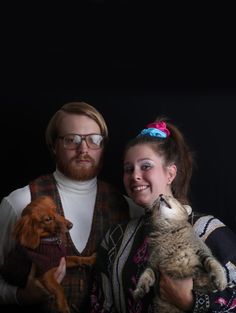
{"x":82,"y":163}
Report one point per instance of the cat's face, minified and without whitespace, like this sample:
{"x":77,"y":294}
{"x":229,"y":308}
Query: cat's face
{"x":169,"y":207}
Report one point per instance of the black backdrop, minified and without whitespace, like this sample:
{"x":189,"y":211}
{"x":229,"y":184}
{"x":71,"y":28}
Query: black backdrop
{"x":131,"y":77}
{"x":205,"y":117}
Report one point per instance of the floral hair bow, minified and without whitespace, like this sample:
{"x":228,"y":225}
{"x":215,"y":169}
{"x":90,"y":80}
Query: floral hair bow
{"x":156,"y":130}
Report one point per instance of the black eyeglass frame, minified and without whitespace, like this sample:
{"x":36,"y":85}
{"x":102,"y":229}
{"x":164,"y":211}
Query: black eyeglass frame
{"x":83,"y":137}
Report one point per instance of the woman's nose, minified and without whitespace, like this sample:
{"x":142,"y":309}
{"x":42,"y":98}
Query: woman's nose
{"x":136,"y":175}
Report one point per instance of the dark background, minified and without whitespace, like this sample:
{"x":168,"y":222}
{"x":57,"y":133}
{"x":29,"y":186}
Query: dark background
{"x":132,"y":68}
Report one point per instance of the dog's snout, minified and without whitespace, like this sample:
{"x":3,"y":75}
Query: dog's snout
{"x":69,"y":225}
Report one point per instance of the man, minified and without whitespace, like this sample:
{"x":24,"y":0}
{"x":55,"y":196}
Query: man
{"x":76,"y":136}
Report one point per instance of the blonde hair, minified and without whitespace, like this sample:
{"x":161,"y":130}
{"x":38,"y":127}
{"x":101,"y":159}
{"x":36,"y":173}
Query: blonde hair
{"x":79,"y":108}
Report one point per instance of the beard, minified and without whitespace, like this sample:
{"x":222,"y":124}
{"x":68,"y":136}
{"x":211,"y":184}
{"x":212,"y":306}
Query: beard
{"x":79,"y":171}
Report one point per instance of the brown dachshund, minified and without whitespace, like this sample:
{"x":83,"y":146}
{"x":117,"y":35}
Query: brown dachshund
{"x":41,"y":231}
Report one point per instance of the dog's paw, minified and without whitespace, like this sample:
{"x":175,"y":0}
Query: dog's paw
{"x":93,"y":258}
{"x":89,"y":260}
{"x":62,"y":306}
{"x":146,"y":281}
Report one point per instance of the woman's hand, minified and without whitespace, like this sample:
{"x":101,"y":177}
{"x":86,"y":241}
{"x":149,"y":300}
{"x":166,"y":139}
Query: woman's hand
{"x":177,"y":292}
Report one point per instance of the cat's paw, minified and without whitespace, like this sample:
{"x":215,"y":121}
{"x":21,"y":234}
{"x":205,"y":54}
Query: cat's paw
{"x":146,"y":280}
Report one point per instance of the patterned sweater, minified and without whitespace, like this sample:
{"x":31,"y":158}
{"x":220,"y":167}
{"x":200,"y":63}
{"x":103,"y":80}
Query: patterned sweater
{"x":123,"y":256}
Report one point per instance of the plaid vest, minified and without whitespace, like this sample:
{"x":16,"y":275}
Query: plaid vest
{"x":110,"y":208}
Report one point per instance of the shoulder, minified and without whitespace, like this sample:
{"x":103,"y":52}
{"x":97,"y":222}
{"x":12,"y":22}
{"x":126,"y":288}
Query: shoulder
{"x":209,"y":227}
{"x":42,"y":180}
{"x":204,"y":225}
{"x":105,"y":186}
{"x":17,"y":199}
{"x":10,"y":211}
{"x":134,"y":209}
{"x":219,"y":238}
{"x":109,"y":193}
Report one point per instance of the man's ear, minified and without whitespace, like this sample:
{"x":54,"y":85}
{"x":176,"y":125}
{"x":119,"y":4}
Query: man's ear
{"x":172,"y":172}
{"x":53,"y":149}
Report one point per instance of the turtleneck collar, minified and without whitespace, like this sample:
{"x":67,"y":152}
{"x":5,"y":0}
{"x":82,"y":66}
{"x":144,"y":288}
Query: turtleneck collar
{"x":74,"y":185}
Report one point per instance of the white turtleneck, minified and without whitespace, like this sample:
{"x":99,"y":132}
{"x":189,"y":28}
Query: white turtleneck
{"x":78,"y":200}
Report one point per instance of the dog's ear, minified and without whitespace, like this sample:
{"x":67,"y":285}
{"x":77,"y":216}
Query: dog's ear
{"x":26,"y":232}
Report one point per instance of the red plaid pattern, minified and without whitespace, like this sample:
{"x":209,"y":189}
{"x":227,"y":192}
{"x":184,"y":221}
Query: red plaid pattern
{"x":110,"y":208}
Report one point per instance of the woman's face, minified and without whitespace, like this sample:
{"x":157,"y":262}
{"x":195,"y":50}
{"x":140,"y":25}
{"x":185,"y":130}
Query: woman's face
{"x":145,"y":175}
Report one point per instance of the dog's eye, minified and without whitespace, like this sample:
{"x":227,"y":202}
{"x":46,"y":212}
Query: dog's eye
{"x":48,"y":219}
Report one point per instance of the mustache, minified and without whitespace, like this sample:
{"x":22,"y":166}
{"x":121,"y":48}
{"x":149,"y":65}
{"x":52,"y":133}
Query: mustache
{"x":84,"y":158}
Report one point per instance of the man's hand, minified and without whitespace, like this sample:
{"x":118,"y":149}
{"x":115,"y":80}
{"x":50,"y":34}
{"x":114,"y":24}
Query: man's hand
{"x":60,"y":271}
{"x":34,"y":292}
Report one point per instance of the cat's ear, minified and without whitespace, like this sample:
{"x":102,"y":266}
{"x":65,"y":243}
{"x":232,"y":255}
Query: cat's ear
{"x":188,"y":209}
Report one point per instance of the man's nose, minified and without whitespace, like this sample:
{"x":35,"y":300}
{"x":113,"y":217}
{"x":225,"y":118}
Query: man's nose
{"x":82,"y":146}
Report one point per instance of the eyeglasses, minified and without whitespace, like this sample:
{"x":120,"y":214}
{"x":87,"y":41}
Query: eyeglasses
{"x":73,"y":141}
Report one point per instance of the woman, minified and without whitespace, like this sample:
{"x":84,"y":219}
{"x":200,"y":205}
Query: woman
{"x":158,"y":161}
